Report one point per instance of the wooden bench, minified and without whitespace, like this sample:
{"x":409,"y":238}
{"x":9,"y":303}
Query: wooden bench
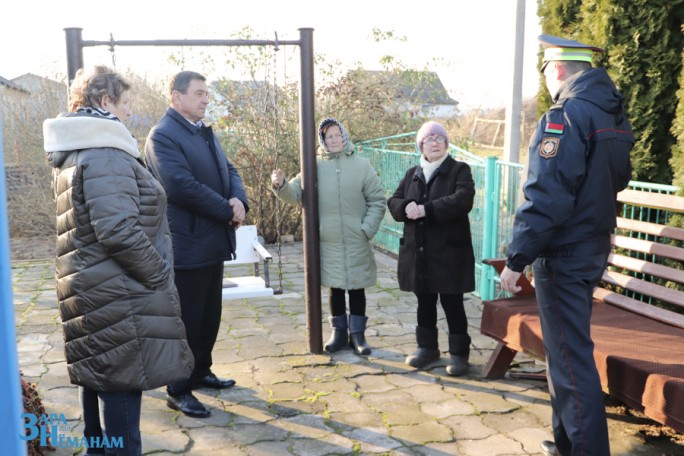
{"x":639,"y":347}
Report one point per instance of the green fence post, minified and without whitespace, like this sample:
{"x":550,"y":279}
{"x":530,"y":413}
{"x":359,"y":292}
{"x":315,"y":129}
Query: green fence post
{"x":489,"y":229}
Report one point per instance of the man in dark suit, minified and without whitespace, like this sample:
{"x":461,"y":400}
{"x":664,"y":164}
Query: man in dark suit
{"x":207,"y":203}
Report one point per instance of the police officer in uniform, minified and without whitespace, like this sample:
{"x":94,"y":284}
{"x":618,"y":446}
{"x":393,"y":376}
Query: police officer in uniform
{"x":579,"y":159}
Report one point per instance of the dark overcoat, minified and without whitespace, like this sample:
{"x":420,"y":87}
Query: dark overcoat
{"x":199,"y":180}
{"x":436,"y":251}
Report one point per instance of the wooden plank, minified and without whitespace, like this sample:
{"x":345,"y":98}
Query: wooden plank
{"x":528,"y":375}
{"x":653,"y":248}
{"x":654,"y":200}
{"x":641,"y":286}
{"x":646,"y":267}
{"x":654,"y":229}
{"x":638,"y":307}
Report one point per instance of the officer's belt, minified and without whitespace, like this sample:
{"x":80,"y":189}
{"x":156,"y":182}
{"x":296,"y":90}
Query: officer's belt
{"x":582,"y":248}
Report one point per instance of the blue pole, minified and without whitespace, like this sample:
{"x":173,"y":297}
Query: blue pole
{"x":10,"y":385}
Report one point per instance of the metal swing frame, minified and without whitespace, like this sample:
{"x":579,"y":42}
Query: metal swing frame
{"x":249,"y":249}
{"x":312,"y":280}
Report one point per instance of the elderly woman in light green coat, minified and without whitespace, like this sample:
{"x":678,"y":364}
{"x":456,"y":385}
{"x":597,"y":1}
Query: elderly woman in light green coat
{"x":351,"y":204}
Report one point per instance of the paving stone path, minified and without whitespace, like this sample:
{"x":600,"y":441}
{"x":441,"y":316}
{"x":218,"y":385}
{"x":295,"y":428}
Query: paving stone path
{"x":290,"y":402}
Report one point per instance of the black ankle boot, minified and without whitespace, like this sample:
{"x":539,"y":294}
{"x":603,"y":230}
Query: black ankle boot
{"x":428,"y":348}
{"x":459,"y":349}
{"x":340,"y":337}
{"x":357,"y":334}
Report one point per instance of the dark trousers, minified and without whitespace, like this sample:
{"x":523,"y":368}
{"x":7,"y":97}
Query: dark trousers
{"x":564,"y":287}
{"x":357,"y":302}
{"x":453,"y":310}
{"x":200,"y":299}
{"x":112,"y":415}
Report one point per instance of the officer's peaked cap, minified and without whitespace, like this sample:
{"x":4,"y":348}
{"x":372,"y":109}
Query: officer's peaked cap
{"x":556,"y":48}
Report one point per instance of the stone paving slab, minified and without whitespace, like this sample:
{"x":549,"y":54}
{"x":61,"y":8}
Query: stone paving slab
{"x":290,"y":402}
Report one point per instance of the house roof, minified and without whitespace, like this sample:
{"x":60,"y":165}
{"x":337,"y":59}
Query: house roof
{"x":32,"y":83}
{"x":9,"y":84}
{"x":422,"y":87}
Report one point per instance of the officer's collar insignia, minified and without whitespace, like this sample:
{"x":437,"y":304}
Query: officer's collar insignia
{"x":554,"y":128}
{"x":549,"y":147}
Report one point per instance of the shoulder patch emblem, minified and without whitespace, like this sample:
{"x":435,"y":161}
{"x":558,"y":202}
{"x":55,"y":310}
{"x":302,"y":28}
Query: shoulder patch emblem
{"x":549,"y":147}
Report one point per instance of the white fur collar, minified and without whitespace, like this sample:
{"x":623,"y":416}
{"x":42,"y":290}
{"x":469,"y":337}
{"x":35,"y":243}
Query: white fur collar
{"x":76,"y":133}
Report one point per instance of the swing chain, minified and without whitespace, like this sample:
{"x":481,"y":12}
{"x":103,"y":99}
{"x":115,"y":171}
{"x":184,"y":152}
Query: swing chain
{"x":277,"y":159}
{"x":111,"y":49}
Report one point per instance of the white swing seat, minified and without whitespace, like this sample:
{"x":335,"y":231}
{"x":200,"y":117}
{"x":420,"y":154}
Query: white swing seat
{"x":248,"y":250}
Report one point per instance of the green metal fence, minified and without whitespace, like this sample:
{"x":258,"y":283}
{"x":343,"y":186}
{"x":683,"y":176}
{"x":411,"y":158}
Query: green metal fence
{"x":497,"y":194}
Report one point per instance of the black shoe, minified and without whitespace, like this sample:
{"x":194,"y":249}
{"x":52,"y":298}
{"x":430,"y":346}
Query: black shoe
{"x":340,"y":334}
{"x":188,"y":404}
{"x":428,"y":348}
{"x":422,"y":357}
{"x":357,"y":341}
{"x":458,"y":365}
{"x":338,"y":340}
{"x":212,"y":381}
{"x":549,"y":448}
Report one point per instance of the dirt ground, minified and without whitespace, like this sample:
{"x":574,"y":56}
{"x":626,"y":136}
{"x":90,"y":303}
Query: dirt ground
{"x":32,"y":249}
{"x":662,"y":439}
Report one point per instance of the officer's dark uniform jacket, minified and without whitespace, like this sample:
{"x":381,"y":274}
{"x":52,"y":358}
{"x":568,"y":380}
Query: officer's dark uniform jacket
{"x":578,"y":162}
{"x":199,"y":180}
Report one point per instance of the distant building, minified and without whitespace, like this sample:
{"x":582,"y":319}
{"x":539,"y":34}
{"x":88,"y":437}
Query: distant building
{"x":420,"y":92}
{"x":6,"y":84}
{"x":228,"y":95}
{"x":32,"y":98}
{"x":34,"y":83}
{"x":12,"y":95}
{"x":26,"y":102}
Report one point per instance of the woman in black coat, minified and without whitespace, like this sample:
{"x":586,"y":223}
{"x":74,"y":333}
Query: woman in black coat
{"x":436,"y":257}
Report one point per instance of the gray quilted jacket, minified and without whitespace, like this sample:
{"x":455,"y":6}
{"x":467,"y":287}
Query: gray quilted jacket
{"x":114,"y":268}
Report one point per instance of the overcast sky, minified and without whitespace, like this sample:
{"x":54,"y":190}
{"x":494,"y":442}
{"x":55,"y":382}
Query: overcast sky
{"x":469,"y":43}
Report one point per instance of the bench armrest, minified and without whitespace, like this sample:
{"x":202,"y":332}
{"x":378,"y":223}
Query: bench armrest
{"x":263,"y":253}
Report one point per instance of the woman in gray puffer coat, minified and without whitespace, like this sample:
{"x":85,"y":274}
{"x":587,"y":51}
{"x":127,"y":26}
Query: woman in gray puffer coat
{"x":351,"y":204}
{"x":114,"y":267}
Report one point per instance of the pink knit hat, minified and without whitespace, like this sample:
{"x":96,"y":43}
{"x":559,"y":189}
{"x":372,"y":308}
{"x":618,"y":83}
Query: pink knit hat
{"x":430,"y":128}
